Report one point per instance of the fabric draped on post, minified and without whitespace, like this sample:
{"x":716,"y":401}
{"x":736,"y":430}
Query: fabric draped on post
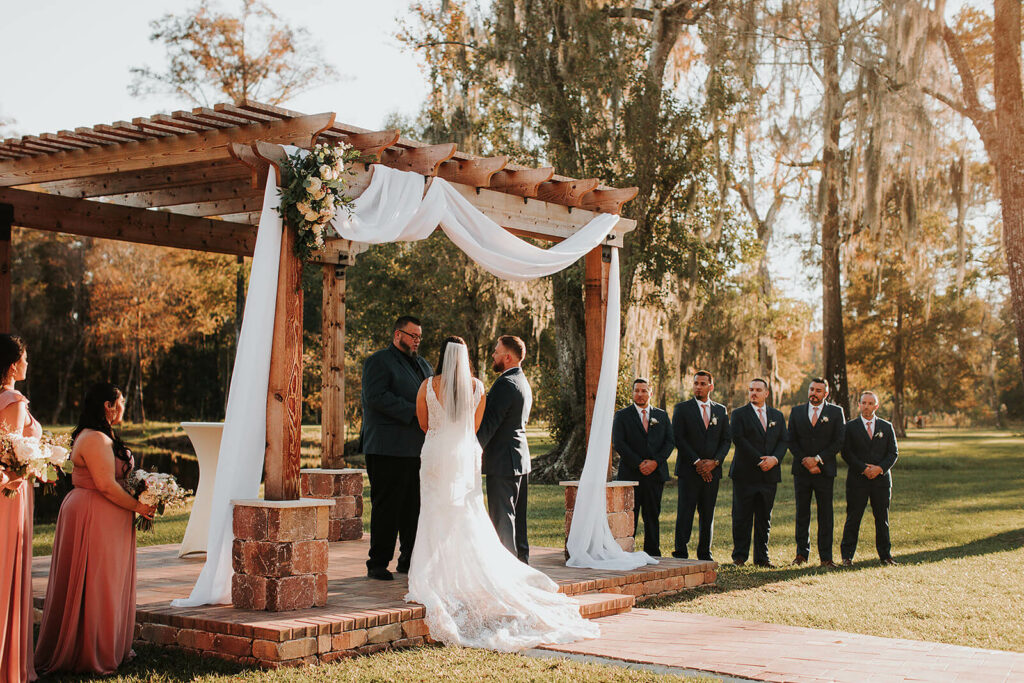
{"x":395,"y":208}
{"x":240,"y":463}
{"x":591,"y":542}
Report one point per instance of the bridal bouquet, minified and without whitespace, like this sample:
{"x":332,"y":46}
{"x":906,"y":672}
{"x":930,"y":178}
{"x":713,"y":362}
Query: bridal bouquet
{"x":154,"y":488}
{"x":34,"y":458}
{"x":313,"y":192}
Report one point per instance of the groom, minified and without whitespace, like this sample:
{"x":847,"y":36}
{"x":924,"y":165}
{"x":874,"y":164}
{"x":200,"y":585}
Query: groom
{"x":502,"y":434}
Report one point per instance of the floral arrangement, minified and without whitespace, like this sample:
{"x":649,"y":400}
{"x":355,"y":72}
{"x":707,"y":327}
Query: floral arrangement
{"x":154,"y":488}
{"x":314,"y":192}
{"x":34,"y":458}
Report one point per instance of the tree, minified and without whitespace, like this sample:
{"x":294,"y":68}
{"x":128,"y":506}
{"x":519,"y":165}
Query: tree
{"x":249,"y":56}
{"x":990,"y":71}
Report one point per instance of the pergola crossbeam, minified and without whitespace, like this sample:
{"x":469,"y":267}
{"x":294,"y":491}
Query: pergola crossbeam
{"x":179,"y":149}
{"x":109,"y":221}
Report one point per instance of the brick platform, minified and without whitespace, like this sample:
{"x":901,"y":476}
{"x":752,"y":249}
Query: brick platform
{"x":619,"y":504}
{"x":343,"y":487}
{"x":361,"y":616}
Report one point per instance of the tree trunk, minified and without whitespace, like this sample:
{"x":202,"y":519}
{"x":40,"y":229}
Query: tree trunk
{"x":833,"y":336}
{"x":899,"y":374}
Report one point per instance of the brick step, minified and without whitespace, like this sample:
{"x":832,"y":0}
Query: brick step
{"x":596,"y":605}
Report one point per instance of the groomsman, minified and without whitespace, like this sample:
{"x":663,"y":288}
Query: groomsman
{"x":816,"y":430}
{"x":642,"y":436}
{"x":392,"y":440}
{"x":759,"y":433}
{"x":701,"y":430}
{"x":870,"y":450}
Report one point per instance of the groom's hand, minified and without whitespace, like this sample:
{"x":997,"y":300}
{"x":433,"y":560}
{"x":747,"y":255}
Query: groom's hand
{"x":648,"y":466}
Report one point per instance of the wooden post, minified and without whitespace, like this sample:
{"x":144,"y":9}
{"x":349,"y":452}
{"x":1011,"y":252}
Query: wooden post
{"x":595,"y":288}
{"x":6,"y":220}
{"x":284,"y":392}
{"x":332,"y":419}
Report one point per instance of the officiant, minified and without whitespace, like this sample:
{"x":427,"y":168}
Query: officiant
{"x":392,"y":440}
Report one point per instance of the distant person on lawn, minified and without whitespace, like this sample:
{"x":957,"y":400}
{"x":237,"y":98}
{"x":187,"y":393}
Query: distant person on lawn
{"x":870,"y":449}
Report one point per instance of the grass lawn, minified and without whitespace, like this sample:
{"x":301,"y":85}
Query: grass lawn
{"x":957,"y":524}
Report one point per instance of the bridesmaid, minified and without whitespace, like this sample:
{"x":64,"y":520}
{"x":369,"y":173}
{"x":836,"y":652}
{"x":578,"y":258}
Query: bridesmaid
{"x":89,"y":613}
{"x":15,"y":525}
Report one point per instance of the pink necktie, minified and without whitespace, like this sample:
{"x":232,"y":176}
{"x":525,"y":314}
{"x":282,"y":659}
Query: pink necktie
{"x":764,"y":423}
{"x":707,"y":420}
{"x":871,"y":429}
{"x":644,"y":412}
{"x":814,"y":418}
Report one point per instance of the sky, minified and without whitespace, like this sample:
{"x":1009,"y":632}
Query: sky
{"x":66,"y":62}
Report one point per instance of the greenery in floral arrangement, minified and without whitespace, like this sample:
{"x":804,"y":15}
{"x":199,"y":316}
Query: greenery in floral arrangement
{"x":314,"y":193}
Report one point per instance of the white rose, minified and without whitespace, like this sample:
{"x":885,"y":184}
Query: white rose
{"x":58,"y":455}
{"x":148,"y":498}
{"x":302,"y":207}
{"x":26,"y":450}
{"x":313,"y":185}
{"x":326,"y":172}
{"x":320,"y":193}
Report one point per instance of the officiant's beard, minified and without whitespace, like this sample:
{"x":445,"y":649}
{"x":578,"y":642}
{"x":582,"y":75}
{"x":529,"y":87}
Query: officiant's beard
{"x":404,"y":347}
{"x":498,"y":366}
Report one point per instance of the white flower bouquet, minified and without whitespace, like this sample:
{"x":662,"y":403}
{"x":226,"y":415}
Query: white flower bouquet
{"x":314,"y":191}
{"x":154,"y":488}
{"x":34,"y":458}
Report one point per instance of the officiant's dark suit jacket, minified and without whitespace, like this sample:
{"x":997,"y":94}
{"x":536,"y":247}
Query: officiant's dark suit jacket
{"x":752,"y":443}
{"x":390,"y":383}
{"x":502,"y":432}
{"x":824,"y":439}
{"x":694,"y":442}
{"x":858,"y":452}
{"x":634,"y":445}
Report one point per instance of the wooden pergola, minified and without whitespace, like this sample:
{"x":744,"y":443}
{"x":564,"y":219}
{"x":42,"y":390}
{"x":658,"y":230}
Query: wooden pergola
{"x":195,"y":180}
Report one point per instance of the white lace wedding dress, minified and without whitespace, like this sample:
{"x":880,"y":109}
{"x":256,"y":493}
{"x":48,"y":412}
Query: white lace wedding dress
{"x":476,"y":593}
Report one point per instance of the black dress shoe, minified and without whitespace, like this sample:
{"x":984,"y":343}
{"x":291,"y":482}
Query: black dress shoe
{"x":889,"y":561}
{"x":402,"y":569}
{"x":847,"y":562}
{"x":380,"y":574}
{"x":680,"y":556}
{"x":828,"y":563}
{"x":739,"y":563}
{"x":799,"y":560}
{"x":706,"y":559}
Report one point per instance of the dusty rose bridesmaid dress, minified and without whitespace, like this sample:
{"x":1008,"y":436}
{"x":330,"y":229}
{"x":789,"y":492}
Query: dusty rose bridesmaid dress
{"x":16,"y":570}
{"x":89,"y":612}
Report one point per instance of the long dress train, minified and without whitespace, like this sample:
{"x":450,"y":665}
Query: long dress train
{"x":476,"y":593}
{"x":16,"y":569}
{"x":89,"y":612}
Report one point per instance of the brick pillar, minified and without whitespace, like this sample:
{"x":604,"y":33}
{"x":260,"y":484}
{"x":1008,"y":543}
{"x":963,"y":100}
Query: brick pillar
{"x":344,"y":490}
{"x":619,"y":504}
{"x":280,"y":554}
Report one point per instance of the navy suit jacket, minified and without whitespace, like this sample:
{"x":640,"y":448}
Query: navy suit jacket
{"x":859,"y":451}
{"x":390,"y":385}
{"x":502,"y":433}
{"x":824,"y":439}
{"x":634,"y":445}
{"x":752,"y":443}
{"x":694,"y":442}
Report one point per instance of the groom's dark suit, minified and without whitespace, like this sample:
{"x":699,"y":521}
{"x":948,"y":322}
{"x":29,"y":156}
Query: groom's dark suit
{"x":753,"y":489}
{"x":392,"y":440}
{"x":506,"y":458}
{"x":859,"y":451}
{"x":823,"y":439}
{"x":696,"y":442}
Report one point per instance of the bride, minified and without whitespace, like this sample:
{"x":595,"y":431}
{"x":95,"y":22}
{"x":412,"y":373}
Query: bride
{"x":476,"y":593}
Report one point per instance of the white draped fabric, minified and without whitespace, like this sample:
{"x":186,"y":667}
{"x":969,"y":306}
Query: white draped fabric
{"x":240,"y":463}
{"x":590,"y":542}
{"x":395,"y":208}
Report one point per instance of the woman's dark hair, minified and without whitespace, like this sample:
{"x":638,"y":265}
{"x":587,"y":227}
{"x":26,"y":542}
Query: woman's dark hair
{"x":94,"y":416}
{"x":11,"y":348}
{"x":444,"y":345}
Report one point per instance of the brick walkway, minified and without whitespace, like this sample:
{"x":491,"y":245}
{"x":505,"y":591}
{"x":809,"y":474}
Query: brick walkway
{"x":773,"y":652}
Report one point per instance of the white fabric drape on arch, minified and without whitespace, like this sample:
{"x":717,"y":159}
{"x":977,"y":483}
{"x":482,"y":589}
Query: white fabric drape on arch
{"x":240,"y":463}
{"x":395,"y":208}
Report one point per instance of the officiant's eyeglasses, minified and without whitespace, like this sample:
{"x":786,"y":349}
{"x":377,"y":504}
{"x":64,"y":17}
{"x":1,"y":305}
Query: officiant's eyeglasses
{"x":414,"y":337}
